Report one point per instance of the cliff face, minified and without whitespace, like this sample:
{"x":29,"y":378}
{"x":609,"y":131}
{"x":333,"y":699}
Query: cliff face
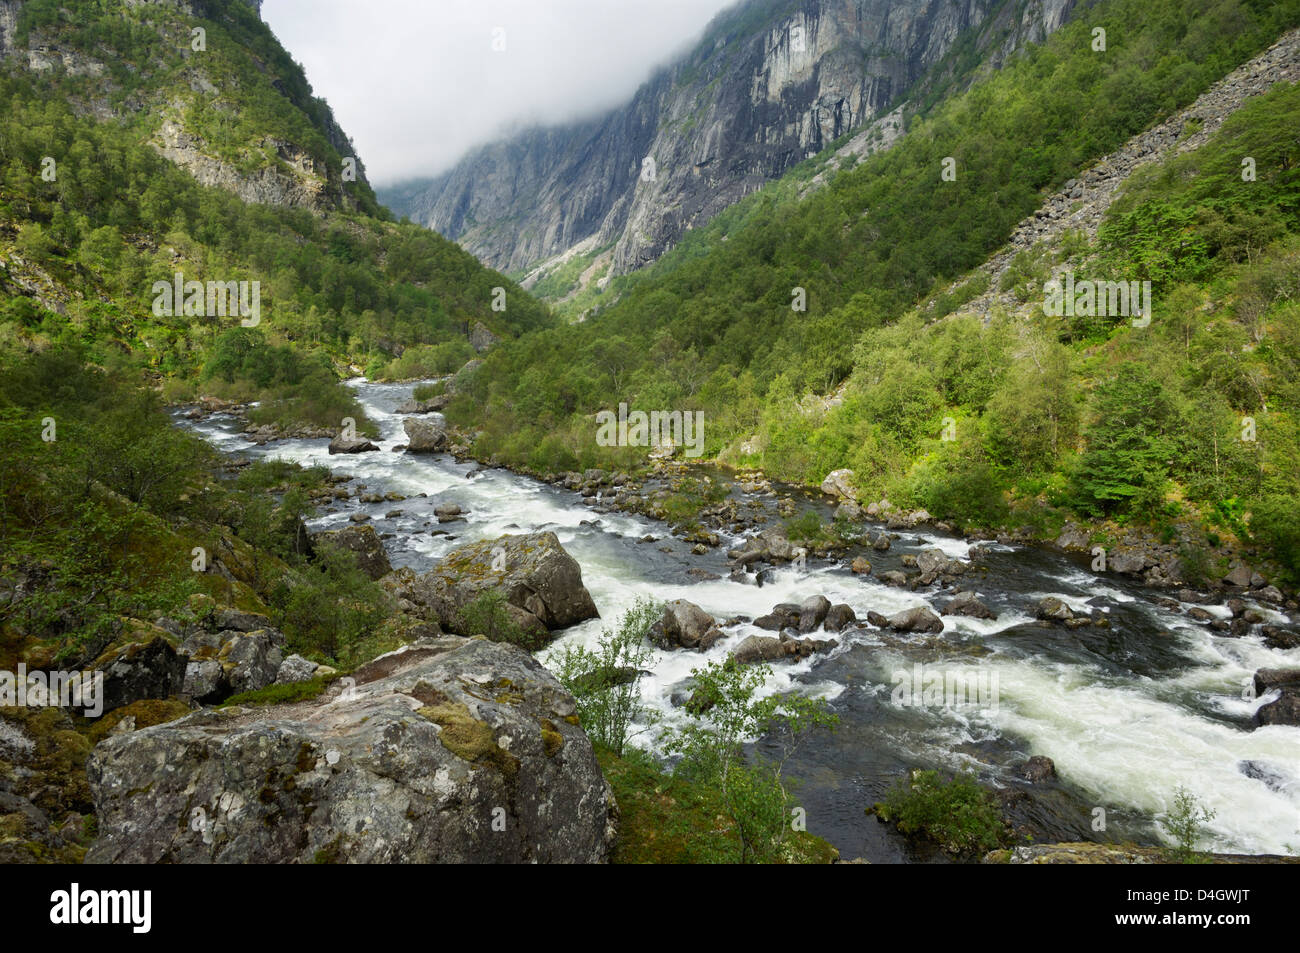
{"x":221,"y":122}
{"x":772,"y":82}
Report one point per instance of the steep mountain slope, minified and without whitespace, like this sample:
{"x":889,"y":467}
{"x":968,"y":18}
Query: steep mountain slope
{"x":132,"y":152}
{"x":792,"y":322}
{"x":771,"y":83}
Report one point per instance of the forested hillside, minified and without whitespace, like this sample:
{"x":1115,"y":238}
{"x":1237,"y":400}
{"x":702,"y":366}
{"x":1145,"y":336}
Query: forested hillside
{"x":870,"y":375}
{"x":94,"y":210}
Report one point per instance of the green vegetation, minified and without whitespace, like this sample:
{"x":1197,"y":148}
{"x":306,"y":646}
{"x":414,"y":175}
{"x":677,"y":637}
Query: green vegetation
{"x":489,"y":615}
{"x":1022,"y":419}
{"x":339,"y":285}
{"x":1186,"y":824}
{"x":754,"y":795}
{"x":604,"y":682}
{"x":958,"y":814}
{"x":668,"y":819}
{"x":281,"y":694}
{"x":102,"y":502}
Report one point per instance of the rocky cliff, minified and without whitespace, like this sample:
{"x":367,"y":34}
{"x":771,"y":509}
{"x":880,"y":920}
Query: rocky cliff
{"x":772,"y":83}
{"x":216,"y":111}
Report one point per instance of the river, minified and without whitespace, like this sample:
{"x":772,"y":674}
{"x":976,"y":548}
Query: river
{"x":1128,"y":713}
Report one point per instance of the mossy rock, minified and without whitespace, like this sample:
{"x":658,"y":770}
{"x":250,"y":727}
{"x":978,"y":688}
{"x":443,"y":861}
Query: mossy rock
{"x":468,"y":738}
{"x":147,"y":712}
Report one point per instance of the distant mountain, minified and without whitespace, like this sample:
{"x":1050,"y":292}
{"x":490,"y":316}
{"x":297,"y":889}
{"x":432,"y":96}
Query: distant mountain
{"x":771,"y":83}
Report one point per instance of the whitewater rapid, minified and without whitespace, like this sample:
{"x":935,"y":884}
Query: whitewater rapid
{"x":1128,"y":714}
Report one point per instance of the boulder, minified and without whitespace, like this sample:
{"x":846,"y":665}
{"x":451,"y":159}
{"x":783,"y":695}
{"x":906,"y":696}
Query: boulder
{"x":1284,"y":711}
{"x":881,"y":543}
{"x":448,"y":751}
{"x":205,"y":681}
{"x":966,"y":603}
{"x":1239,"y":576}
{"x":355,"y":445}
{"x":918,"y":619}
{"x":839,"y":483}
{"x":848,"y":510}
{"x":413,"y":406}
{"x":1038,"y":769}
{"x":139,"y":670}
{"x":1276,"y":637}
{"x":861,"y":566}
{"x":931,"y":561}
{"x":840,"y":617}
{"x":363,"y":542}
{"x":1074,"y":539}
{"x":1052,"y":609}
{"x":758,"y":648}
{"x":295,"y":669}
{"x":684,"y":624}
{"x":424,"y":436}
{"x":785,"y":615}
{"x":812,"y":612}
{"x":1267,"y":679}
{"x":534,"y":573}
{"x":1130,"y":561}
{"x":771,"y":545}
{"x":893,"y":577}
{"x":251,"y":660}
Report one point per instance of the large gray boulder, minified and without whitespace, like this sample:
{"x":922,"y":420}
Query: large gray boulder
{"x":839,"y":483}
{"x":424,"y":436}
{"x":683,"y":624}
{"x":447,"y":751}
{"x":341,"y":444}
{"x":541,"y":581}
{"x":918,"y":619}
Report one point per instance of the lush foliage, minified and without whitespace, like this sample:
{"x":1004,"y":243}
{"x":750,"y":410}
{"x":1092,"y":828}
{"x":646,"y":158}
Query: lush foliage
{"x":605,"y":681}
{"x":958,"y":814}
{"x":754,"y":794}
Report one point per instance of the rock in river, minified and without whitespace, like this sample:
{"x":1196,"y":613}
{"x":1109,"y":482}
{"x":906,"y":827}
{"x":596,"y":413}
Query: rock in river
{"x":537,"y":577}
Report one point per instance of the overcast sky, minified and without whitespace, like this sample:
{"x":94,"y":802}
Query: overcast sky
{"x":417,"y":83}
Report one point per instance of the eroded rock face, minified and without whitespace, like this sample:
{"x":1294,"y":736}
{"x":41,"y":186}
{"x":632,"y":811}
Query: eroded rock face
{"x":450,"y":750}
{"x":537,"y":577}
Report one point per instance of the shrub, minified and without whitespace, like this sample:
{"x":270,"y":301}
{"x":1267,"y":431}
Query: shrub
{"x":604,"y":682}
{"x":959,"y":814}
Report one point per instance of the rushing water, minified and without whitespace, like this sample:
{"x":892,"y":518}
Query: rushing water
{"x":1128,"y":713}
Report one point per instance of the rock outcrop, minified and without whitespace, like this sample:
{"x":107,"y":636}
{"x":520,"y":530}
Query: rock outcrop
{"x":448,"y":751}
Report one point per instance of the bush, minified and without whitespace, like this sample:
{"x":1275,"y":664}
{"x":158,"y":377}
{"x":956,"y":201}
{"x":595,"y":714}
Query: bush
{"x":605,"y":682}
{"x":489,"y":616}
{"x":959,"y":814}
{"x":756,"y":797}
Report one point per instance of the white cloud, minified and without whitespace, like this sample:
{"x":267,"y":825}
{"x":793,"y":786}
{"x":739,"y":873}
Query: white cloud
{"x":416,"y":83}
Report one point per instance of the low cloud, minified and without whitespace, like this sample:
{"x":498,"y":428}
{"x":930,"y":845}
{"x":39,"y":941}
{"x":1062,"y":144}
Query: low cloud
{"x":417,"y":84}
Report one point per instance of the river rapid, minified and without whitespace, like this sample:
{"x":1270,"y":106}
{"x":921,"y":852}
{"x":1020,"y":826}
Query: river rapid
{"x":1128,"y":713}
